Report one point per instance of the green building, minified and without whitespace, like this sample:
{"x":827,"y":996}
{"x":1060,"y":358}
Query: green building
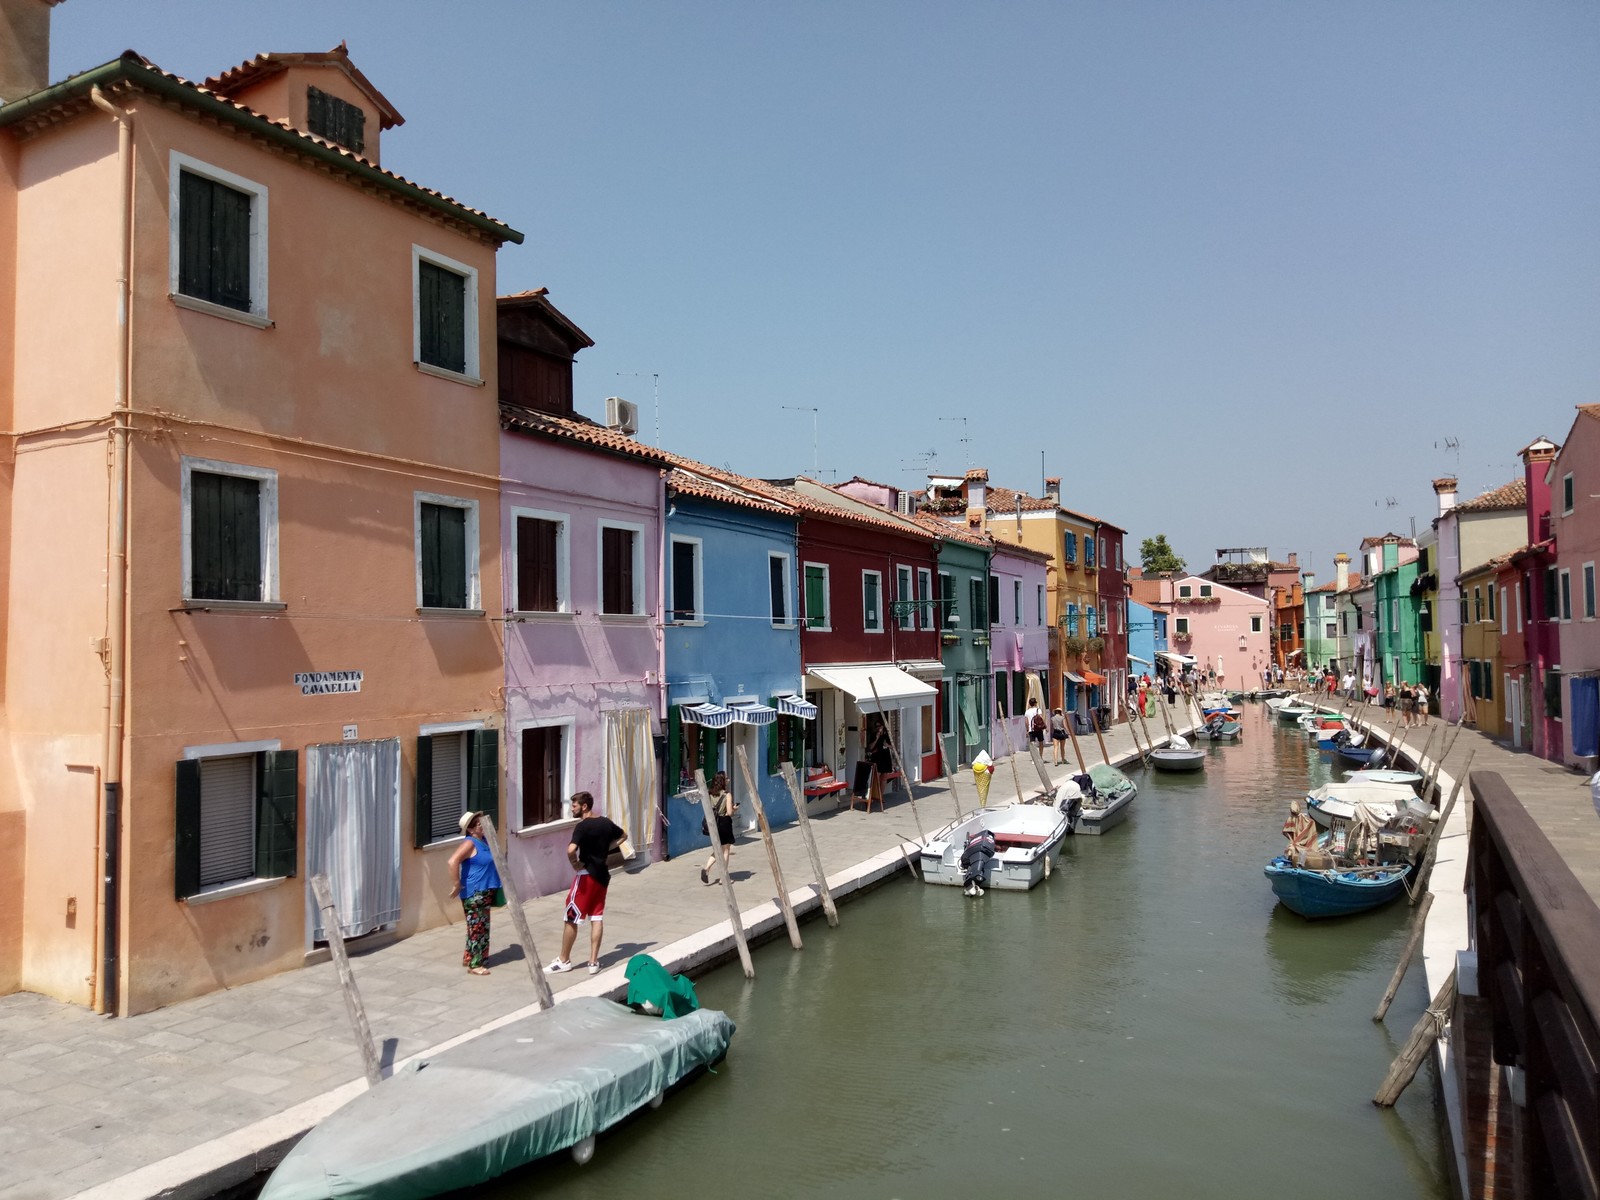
{"x":1397,"y":629}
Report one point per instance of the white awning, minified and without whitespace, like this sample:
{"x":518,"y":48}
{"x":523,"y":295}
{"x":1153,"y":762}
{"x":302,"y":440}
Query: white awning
{"x":895,"y":688}
{"x":791,"y":705}
{"x":1074,"y":677}
{"x":1183,"y":660}
{"x":753,"y":714}
{"x":1141,"y":661}
{"x":713,"y":716}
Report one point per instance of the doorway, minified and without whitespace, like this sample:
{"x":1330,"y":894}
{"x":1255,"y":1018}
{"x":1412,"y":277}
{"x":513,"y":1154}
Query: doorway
{"x":353,"y":834}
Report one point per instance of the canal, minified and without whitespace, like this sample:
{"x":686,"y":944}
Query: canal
{"x":1145,"y":1023}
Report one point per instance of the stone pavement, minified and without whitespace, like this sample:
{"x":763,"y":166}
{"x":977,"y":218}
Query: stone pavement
{"x":195,"y":1097}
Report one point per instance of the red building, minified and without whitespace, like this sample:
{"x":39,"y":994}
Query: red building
{"x":1539,"y":687}
{"x":1111,"y":585}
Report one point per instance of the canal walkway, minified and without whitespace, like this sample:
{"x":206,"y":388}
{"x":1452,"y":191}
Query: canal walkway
{"x":199,"y":1096}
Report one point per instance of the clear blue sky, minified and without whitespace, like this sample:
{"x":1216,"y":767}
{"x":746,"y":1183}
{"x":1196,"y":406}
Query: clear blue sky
{"x":1237,"y":269}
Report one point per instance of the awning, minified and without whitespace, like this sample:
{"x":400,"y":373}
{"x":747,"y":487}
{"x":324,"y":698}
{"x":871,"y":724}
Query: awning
{"x":1183,"y":660}
{"x":1297,"y":652}
{"x":894,"y":687}
{"x":1093,"y":678}
{"x":791,"y":705}
{"x":1074,"y":677}
{"x":753,"y":714}
{"x":713,"y":716}
{"x":1144,"y":662}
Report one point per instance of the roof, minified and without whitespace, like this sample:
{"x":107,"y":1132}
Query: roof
{"x":1507,"y":496}
{"x":539,"y":298}
{"x":1368,"y":543}
{"x":583,"y":432}
{"x":685,"y":481}
{"x":820,"y":501}
{"x":952,"y":531}
{"x":264,"y":66}
{"x":1494,"y":564}
{"x":1352,"y":582}
{"x":1002,"y":546}
{"x":1589,"y":410}
{"x":1001,"y":500}
{"x":132,"y":71}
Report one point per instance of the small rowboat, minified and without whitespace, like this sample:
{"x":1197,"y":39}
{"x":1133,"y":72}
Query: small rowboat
{"x":1174,"y":759}
{"x":1335,"y":892}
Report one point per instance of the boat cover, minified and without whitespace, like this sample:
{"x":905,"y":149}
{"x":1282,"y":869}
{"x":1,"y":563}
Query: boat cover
{"x":1107,"y":779}
{"x":482,"y":1108}
{"x":652,"y":988}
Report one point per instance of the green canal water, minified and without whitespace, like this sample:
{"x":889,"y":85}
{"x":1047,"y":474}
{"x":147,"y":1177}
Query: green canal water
{"x":1145,"y":1023}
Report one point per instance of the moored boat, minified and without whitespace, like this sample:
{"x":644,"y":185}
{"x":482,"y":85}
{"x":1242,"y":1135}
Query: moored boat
{"x":1338,"y":801}
{"x":1177,"y":755}
{"x":1334,"y":892}
{"x":1023,"y":838}
{"x":1360,"y":865}
{"x":1108,"y":806}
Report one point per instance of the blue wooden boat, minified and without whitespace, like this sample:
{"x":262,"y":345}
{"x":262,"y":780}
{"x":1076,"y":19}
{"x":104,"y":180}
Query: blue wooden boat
{"x":1361,"y":756}
{"x":1335,"y":892}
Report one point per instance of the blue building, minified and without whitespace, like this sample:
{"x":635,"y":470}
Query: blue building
{"x":731,"y":648}
{"x":1147,"y":637}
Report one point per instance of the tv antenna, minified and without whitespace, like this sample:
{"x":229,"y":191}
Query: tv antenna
{"x":655,"y":382}
{"x":920,"y":460}
{"x":816,"y":472}
{"x":965,"y":439}
{"x":1453,"y":446}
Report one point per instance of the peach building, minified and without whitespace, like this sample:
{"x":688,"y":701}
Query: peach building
{"x":251,"y":519}
{"x":1223,"y":629}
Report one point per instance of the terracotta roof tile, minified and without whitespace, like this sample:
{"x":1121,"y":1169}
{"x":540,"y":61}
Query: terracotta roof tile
{"x":953,"y":530}
{"x":688,"y":482}
{"x":584,"y":432}
{"x":265,"y":66}
{"x":1506,"y":496}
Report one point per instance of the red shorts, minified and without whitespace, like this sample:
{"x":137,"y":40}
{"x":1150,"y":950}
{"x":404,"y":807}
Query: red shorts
{"x":586,"y":900}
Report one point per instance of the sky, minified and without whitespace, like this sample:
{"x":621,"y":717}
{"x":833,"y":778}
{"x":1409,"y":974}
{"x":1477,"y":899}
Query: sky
{"x":1246,"y":274}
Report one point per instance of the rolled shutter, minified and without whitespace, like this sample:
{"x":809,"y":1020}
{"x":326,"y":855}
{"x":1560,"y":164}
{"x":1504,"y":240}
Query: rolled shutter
{"x":277,"y":813}
{"x":186,"y":842}
{"x":483,"y":772}
{"x":424,"y":805}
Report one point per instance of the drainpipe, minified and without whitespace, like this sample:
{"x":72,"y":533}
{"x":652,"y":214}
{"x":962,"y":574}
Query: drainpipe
{"x":106,"y":998}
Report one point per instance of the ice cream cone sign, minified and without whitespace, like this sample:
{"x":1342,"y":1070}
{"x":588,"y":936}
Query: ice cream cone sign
{"x":982,"y":774}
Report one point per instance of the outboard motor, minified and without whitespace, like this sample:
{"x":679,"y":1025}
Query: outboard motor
{"x":1069,"y":799}
{"x":975,"y":858}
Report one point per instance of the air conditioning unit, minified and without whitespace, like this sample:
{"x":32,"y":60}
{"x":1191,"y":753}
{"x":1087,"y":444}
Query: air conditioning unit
{"x":622,"y":416}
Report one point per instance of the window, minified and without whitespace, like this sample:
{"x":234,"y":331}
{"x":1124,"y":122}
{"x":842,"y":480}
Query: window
{"x":1182,"y":624}
{"x":929,"y":618}
{"x":545,"y":771}
{"x":1019,"y":691}
{"x":1552,"y":590}
{"x":947,"y":710}
{"x":1072,"y":620}
{"x":1330,"y":631}
{"x":457,"y":769}
{"x":1185,"y":591}
{"x":1091,"y":621}
{"x":1566,"y":595}
{"x":1489,"y":602}
{"x":1588,"y":592}
{"x":778,"y":582}
{"x":1069,"y":547}
{"x":540,"y":569}
{"x":1118,"y":549}
{"x":1001,"y":694}
{"x":1487,"y":671}
{"x":445,"y":314}
{"x":872,"y":601}
{"x":1566,"y":494}
{"x":335,"y":120}
{"x":949,"y":613}
{"x":1016,"y":602}
{"x":817,"y":596}
{"x":1462,"y":602}
{"x":218,"y":244}
{"x":786,"y":742}
{"x":621,"y":570}
{"x":1255,"y":624}
{"x":230,"y":534}
{"x":235,"y":818}
{"x":1502,"y":610}
{"x":1205,"y":590}
{"x":978,"y":601}
{"x":686,"y":579}
{"x":1038,"y":610}
{"x":1477,"y":604}
{"x":1088,"y":552}
{"x":447,"y":552}
{"x":993,"y":611}
{"x":902,"y":593}
{"x":1552,"y":693}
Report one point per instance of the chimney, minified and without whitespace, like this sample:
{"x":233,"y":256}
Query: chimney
{"x":1536,"y":459}
{"x":1052,"y":489}
{"x":1294,"y":559}
{"x":1445,"y":489}
{"x":1310,"y":584}
{"x":24,"y":47}
{"x":1341,"y":569}
{"x":975,"y":488}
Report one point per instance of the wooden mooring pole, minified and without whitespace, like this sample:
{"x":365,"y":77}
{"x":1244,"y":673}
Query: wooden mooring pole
{"x":944,"y":765}
{"x":323,"y":895}
{"x":1412,"y":942}
{"x":1426,"y":868}
{"x":1423,"y":1034}
{"x":829,"y":909}
{"x":894,"y":751}
{"x":772,"y":846}
{"x":519,"y":919}
{"x":1094,"y":720}
{"x":727,"y":880}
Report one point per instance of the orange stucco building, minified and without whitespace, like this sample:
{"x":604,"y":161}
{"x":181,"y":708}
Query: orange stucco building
{"x":251,"y":526}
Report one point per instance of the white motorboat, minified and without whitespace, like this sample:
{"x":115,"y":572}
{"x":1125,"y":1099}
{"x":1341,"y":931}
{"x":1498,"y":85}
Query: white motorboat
{"x":1108,"y":807}
{"x":1013,"y":856}
{"x":1337,"y":801}
{"x":1293,"y":712}
{"x":1177,"y":755}
{"x":1377,"y":775}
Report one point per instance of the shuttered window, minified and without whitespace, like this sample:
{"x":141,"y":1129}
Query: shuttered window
{"x":227,"y":819}
{"x":1002,"y":694}
{"x":335,"y":119}
{"x":443,"y":547}
{"x":442,"y":317}
{"x":214,"y":241}
{"x":902,"y":593}
{"x":872,"y":601}
{"x":616,"y":571}
{"x":235,"y":819}
{"x":685,"y":569}
{"x":778,"y":587}
{"x":542,"y":765}
{"x":537,"y":542}
{"x":817,"y":596}
{"x":224,"y":537}
{"x":455,"y":772}
{"x":448,"y":777}
{"x":978,"y":600}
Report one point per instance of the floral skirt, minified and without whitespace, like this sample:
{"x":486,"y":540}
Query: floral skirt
{"x":477,"y":910}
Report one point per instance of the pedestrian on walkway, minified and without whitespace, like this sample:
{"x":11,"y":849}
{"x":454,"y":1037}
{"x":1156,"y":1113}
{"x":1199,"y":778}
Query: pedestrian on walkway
{"x":593,"y":840}
{"x":1033,"y":721}
{"x":473,"y":877}
{"x":1058,"y":735}
{"x":722,"y":808}
{"x":882,"y":759}
{"x":1422,"y":704}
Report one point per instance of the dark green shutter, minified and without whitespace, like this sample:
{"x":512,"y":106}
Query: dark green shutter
{"x":674,"y":749}
{"x":441,"y":307}
{"x":772,"y":741}
{"x":277,"y":811}
{"x":483,"y":773}
{"x":186,"y":840}
{"x":424,"y":814}
{"x":224,"y":537}
{"x":213,"y":242}
{"x":710,"y":740}
{"x":797,"y":741}
{"x":444,"y":556}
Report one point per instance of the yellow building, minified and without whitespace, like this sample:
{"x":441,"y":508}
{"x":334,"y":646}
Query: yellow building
{"x":1481,"y":665}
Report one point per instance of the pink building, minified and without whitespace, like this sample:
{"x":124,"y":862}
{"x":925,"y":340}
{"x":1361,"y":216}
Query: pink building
{"x":1574,"y":479}
{"x":1019,"y":633}
{"x":1220,"y":627}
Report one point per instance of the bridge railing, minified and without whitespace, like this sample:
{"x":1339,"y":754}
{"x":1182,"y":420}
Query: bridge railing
{"x":1537,"y":934}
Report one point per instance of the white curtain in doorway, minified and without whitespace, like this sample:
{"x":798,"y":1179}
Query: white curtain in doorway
{"x":353,"y":832}
{"x":630,"y":798}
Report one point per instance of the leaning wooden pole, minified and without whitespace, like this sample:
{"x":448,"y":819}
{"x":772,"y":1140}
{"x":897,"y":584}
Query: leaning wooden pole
{"x":1077,"y":750}
{"x":772,"y":847}
{"x":950,"y":776}
{"x":727,"y":882}
{"x":519,"y":919}
{"x":792,"y":780}
{"x":894,"y":751}
{"x":1438,"y":829}
{"x":1412,"y":942}
{"x":1094,"y":720}
{"x":1424,"y":1033}
{"x":347,"y":980}
{"x":1149,"y":742}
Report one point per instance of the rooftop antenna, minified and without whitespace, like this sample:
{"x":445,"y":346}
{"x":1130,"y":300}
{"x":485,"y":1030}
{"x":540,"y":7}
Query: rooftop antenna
{"x":1452,"y":444}
{"x":964,"y":439}
{"x":655,"y":381}
{"x":920,"y":461}
{"x":816,"y":472}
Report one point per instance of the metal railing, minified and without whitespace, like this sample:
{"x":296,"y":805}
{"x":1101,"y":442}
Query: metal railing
{"x":1537,"y":935}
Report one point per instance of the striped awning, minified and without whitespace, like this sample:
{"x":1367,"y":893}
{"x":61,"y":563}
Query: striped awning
{"x":1073,"y":677}
{"x":791,"y":705}
{"x":753,"y":714}
{"x":713,"y":716}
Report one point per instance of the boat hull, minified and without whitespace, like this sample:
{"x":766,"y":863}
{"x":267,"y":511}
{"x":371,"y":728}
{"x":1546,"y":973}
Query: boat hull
{"x":1026,"y":836}
{"x":1318,"y":894}
{"x":1178,"y":760}
{"x":1096,"y":820}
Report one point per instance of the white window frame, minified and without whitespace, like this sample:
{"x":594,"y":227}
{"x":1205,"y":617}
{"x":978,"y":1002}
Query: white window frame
{"x":469,"y":322}
{"x":268,"y":479}
{"x":1185,"y":591}
{"x":640,"y":612}
{"x":926,"y":618}
{"x":474,"y":575}
{"x":563,"y":523}
{"x":1518,"y":591}
{"x":827,"y":597}
{"x":1564,"y":594}
{"x":568,"y":726}
{"x":698,"y":616}
{"x":906,"y":572}
{"x":791,"y":615}
{"x":1590,"y":600}
{"x":1205,"y":591}
{"x":178,"y":163}
{"x":253,"y":883}
{"x":882,"y":623}
{"x":1181,"y":628}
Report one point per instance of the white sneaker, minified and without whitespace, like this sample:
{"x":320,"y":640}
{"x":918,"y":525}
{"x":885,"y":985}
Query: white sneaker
{"x":557,"y":965}
{"x":594,"y":968}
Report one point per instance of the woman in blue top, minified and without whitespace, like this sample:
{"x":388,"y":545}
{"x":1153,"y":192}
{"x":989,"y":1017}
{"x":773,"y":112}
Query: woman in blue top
{"x":473,"y":877}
